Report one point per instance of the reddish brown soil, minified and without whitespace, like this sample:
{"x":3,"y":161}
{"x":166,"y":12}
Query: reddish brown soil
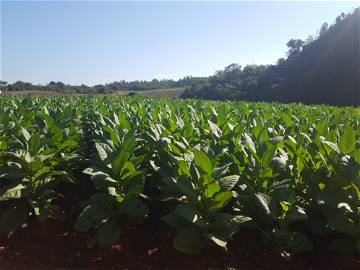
{"x":149,"y":246}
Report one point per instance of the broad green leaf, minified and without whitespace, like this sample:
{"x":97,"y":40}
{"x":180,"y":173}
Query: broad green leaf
{"x":215,"y":129}
{"x":34,"y":144}
{"x":202,"y":161}
{"x":3,"y":145}
{"x":250,"y":142}
{"x":85,"y":219}
{"x":220,"y":200}
{"x":224,"y":225}
{"x":25,"y":133}
{"x":356,"y":155}
{"x":284,"y":206}
{"x":100,"y":147}
{"x":175,"y":220}
{"x":190,"y":214}
{"x":347,"y":141}
{"x":332,"y":145}
{"x":118,"y":162}
{"x":108,"y":233}
{"x":239,"y":219}
{"x":132,"y":206}
{"x":189,"y":241}
{"x":134,"y":184}
{"x":13,"y":193}
{"x":211,"y":189}
{"x":217,"y":240}
{"x":264,"y":201}
{"x":228,"y":182}
{"x":268,"y":155}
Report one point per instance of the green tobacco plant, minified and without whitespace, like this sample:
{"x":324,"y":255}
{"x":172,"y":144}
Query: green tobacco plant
{"x":118,"y":182}
{"x":267,"y":192}
{"x":29,"y":177}
{"x":289,"y":171}
{"x":336,"y":197}
{"x":201,"y":191}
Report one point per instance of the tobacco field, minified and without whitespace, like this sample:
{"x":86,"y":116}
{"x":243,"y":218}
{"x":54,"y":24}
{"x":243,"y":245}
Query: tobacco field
{"x":287,"y":171}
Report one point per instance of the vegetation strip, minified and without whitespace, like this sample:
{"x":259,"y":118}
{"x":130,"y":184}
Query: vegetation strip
{"x":291,"y":172}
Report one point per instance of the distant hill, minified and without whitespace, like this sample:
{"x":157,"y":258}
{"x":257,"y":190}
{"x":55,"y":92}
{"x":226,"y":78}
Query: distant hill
{"x":321,"y":70}
{"x":155,"y":87}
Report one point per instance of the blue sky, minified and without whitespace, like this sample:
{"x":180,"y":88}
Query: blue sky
{"x":99,"y":42}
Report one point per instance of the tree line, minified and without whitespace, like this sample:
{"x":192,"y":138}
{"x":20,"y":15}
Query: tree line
{"x":102,"y":88}
{"x":322,"y":69}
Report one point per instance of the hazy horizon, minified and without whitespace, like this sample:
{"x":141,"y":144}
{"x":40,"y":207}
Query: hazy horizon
{"x":101,"y":42}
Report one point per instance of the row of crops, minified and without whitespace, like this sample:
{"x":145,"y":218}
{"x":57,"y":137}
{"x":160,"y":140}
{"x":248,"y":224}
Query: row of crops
{"x":290,"y":172}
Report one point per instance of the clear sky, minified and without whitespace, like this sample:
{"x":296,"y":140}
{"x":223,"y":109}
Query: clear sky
{"x":99,"y":42}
